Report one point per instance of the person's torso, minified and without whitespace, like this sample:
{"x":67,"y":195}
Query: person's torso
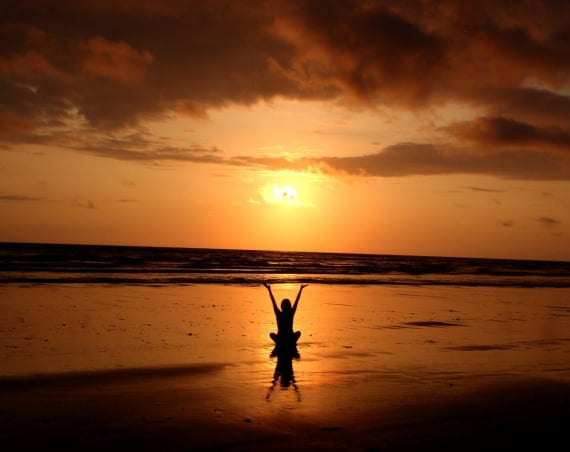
{"x":285,"y":322}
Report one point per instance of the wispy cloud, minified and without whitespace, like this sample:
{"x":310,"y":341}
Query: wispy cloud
{"x":484,"y":189}
{"x":507,"y":223}
{"x":547,"y":222}
{"x":84,"y":204}
{"x":19,"y":198}
{"x":137,"y":146}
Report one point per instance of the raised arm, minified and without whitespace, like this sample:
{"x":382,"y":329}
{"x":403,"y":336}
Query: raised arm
{"x":275,"y":309}
{"x":298,"y":296}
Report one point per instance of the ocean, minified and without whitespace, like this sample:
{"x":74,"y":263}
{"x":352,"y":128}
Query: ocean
{"x":135,"y":346}
{"x":27,"y":263}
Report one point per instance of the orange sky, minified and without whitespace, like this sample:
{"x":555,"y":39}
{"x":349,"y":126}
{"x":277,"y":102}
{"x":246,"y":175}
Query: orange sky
{"x":426,"y":128}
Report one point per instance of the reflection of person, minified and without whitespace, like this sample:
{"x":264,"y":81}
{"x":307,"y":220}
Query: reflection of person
{"x":284,"y":375}
{"x":285,"y":335}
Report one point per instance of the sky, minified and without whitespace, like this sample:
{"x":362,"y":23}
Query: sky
{"x":392,"y":127}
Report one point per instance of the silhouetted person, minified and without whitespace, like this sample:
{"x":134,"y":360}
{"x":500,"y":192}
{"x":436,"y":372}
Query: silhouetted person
{"x":285,"y":339}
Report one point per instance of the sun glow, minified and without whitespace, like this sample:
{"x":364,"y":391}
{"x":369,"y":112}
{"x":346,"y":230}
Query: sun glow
{"x":277,"y":194}
{"x":285,"y":194}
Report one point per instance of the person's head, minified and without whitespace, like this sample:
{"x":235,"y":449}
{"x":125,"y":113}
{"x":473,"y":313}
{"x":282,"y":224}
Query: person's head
{"x":286,"y":304}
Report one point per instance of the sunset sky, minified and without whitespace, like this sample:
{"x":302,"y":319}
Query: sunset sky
{"x":392,"y":127}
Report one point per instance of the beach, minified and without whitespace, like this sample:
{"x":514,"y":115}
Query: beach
{"x":189,"y":367}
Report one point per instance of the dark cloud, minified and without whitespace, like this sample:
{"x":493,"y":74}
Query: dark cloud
{"x":547,"y":222}
{"x":416,"y":53}
{"x":537,"y":106}
{"x":365,"y":49}
{"x":103,"y":66}
{"x":421,"y":159}
{"x":505,"y":132}
{"x":425,"y":159}
{"x":118,"y":65}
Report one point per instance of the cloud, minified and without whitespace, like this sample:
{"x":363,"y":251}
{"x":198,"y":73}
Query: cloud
{"x":505,"y":132}
{"x":426,"y":159}
{"x":406,"y":159}
{"x":547,"y":222}
{"x":538,"y":106}
{"x":106,"y":67}
{"x":214,"y":53}
{"x":484,"y":189}
{"x":366,"y":51}
{"x":119,"y":65}
{"x":84,"y":204}
{"x":507,"y":223}
{"x":19,"y":198}
{"x":116,"y":61}
{"x":129,"y":145}
{"x":124,"y":150}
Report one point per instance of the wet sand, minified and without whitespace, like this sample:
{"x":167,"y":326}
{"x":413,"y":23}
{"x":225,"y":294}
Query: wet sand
{"x":381,"y":368}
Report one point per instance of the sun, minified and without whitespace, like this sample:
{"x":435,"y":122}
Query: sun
{"x":281,"y":194}
{"x":285,"y":194}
